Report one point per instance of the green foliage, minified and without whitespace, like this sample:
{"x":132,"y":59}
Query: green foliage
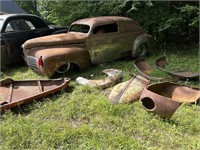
{"x":81,"y":117}
{"x":29,"y":6}
{"x":183,"y":24}
{"x":65,"y":12}
{"x":170,"y":22}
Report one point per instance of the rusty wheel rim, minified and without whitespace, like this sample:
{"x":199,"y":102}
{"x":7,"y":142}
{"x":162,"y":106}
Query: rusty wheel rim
{"x":64,"y":68}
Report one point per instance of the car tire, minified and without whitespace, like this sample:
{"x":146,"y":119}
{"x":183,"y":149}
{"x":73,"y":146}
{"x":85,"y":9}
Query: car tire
{"x":64,"y":68}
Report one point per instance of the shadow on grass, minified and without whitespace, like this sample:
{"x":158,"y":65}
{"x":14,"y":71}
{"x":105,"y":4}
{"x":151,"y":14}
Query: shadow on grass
{"x":11,"y":69}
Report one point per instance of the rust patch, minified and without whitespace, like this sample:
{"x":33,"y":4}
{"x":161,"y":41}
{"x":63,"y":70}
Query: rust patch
{"x":161,"y":62}
{"x":164,"y":98}
{"x":15,"y":93}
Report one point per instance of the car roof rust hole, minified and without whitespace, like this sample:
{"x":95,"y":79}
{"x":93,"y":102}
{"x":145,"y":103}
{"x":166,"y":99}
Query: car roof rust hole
{"x":148,"y":103}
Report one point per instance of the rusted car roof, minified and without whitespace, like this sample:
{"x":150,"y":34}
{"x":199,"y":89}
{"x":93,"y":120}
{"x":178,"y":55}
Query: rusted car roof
{"x":102,"y":20}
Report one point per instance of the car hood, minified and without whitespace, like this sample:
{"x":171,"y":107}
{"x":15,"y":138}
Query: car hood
{"x":54,"y":40}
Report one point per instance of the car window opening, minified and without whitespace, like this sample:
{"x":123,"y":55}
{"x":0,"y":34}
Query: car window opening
{"x":19,"y":25}
{"x":79,"y":28}
{"x":106,"y":29}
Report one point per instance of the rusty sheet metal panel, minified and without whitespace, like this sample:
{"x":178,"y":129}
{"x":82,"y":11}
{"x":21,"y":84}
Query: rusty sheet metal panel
{"x":164,"y":98}
{"x":145,"y":69}
{"x":129,"y":91}
{"x":113,"y":76}
{"x":162,"y":61}
{"x":14,"y":93}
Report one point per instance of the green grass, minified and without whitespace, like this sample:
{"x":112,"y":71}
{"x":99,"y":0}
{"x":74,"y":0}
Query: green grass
{"x":81,"y":117}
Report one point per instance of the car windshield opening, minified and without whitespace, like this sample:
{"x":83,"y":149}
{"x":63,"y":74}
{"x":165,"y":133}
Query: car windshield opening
{"x":79,"y":28}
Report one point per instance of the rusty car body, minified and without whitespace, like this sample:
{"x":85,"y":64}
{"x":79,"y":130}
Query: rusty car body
{"x":15,"y":29}
{"x":14,"y":93}
{"x":88,"y":41}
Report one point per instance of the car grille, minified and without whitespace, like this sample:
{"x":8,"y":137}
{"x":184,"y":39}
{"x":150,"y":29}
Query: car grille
{"x":32,"y":63}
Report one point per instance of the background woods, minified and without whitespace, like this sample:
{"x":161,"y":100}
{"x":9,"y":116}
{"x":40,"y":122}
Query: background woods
{"x":170,"y":22}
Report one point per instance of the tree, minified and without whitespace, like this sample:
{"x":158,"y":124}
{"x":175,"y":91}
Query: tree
{"x":30,"y":6}
{"x":167,"y":21}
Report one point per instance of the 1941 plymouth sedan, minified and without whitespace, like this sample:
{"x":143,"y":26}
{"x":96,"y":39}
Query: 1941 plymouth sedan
{"x":88,"y":41}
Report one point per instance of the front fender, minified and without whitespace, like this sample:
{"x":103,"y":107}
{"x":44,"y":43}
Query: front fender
{"x":53,"y":58}
{"x":143,"y":39}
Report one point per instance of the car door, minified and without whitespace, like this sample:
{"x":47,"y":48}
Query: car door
{"x":104,"y":43}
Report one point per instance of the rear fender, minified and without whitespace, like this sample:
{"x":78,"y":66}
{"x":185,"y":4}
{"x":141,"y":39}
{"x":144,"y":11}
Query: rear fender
{"x":143,"y":39}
